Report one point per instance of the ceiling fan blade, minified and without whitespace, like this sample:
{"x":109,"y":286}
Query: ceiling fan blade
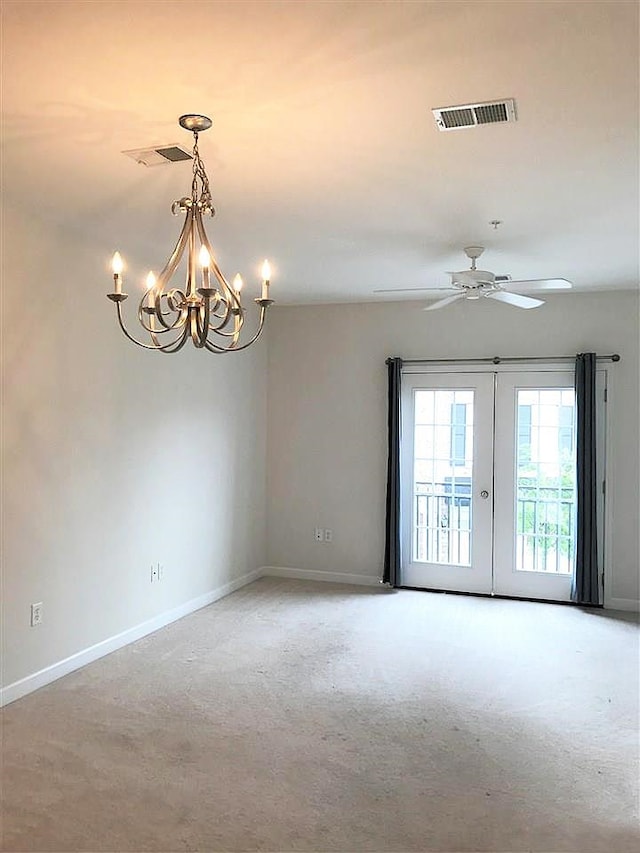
{"x":515,"y":299}
{"x":414,"y":289}
{"x":541,"y":284}
{"x":442,"y":302}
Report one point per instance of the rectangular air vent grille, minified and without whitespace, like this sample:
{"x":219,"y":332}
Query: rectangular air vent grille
{"x":457,"y":118}
{"x":174,"y":153}
{"x":160,"y":156}
{"x":472,"y":115}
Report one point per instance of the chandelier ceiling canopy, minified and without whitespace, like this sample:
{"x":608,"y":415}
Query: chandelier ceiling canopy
{"x":208,"y":310}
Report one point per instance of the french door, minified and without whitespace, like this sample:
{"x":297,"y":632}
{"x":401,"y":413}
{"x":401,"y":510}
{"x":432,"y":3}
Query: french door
{"x":447,"y":482}
{"x":489,"y":482}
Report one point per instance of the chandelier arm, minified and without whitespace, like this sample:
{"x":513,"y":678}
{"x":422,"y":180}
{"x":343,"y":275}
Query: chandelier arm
{"x":229,"y":292}
{"x":224,"y":317}
{"x":220,"y":330}
{"x":191,"y":265}
{"x":220,"y":305}
{"x":178,"y":343}
{"x":199,"y":323}
{"x":129,"y":335}
{"x":237,"y":328}
{"x":170,"y":267}
{"x":178,"y":298}
{"x":230,"y":298}
{"x":150,"y":328}
{"x":203,"y":327}
{"x":153,"y":333}
{"x":167,"y":313}
{"x":172,"y":346}
{"x":214,"y":348}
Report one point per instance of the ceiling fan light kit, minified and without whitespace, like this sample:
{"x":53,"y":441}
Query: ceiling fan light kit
{"x":208,"y":310}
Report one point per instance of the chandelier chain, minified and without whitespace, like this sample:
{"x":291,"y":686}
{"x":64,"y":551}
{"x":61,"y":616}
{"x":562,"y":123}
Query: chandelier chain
{"x":199,"y":172}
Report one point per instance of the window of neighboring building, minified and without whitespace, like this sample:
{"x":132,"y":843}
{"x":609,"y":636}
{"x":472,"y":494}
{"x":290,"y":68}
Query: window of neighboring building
{"x":524,"y":431}
{"x":565,"y":430}
{"x":458,"y":433}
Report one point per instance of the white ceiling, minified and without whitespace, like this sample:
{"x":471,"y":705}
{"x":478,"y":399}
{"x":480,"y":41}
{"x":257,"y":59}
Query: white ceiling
{"x":324,"y":155}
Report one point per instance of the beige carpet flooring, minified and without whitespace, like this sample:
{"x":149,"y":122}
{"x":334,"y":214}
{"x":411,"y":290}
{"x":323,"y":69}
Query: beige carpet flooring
{"x":296,"y":716}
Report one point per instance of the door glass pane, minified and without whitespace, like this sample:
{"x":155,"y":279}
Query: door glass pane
{"x":442,"y":476}
{"x":545,"y":480}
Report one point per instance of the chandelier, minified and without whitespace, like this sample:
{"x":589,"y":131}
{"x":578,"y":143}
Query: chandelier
{"x":208,"y":310}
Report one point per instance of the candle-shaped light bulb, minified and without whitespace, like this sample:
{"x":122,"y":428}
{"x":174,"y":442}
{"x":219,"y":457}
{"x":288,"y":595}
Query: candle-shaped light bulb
{"x":205,"y":260}
{"x":151,"y":288}
{"x":266,"y":275}
{"x":117,"y":265}
{"x":204,"y":257}
{"x":237,"y":283}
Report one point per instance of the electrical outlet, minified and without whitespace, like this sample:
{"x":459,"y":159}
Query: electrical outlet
{"x":319,"y":534}
{"x":328,"y":534}
{"x":154,"y":573}
{"x":36,"y":614}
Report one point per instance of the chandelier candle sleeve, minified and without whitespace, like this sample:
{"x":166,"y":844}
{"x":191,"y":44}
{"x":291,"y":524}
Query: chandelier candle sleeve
{"x":170,"y":313}
{"x":151,"y":288}
{"x":117,"y":266}
{"x":266,"y":276}
{"x":205,"y":263}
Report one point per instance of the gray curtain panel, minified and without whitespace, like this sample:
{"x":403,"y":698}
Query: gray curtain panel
{"x":585,"y":586}
{"x":392,"y":555}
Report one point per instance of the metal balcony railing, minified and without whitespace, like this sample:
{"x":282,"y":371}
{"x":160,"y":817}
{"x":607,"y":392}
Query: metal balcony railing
{"x":545,"y":526}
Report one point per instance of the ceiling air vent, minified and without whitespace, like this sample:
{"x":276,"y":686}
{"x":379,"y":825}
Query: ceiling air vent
{"x":471,"y":115}
{"x":159,"y":156}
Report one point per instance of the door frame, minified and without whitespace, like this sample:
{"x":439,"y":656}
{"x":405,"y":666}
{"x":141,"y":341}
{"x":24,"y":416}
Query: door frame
{"x":604,"y":382}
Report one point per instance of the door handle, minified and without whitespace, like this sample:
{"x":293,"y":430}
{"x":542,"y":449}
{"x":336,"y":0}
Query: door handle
{"x":484,"y":494}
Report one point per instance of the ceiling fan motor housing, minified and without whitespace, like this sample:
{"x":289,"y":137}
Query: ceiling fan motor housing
{"x":480,"y":279}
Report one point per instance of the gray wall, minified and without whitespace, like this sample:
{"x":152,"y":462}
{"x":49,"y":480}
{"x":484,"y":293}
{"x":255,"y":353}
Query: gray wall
{"x":113,"y":458}
{"x":327,"y":414}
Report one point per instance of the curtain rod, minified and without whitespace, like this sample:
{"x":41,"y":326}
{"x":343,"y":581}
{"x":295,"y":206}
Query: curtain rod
{"x":499,"y":359}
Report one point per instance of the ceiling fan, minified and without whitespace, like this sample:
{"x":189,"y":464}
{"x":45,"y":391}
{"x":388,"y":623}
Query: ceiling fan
{"x":474,"y":283}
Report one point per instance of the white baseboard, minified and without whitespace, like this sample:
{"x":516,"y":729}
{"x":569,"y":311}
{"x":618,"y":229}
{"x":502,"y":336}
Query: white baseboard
{"x":45,"y":676}
{"x":57,"y":670}
{"x":629,"y":604}
{"x":309,"y":575}
{"x":622,"y":604}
